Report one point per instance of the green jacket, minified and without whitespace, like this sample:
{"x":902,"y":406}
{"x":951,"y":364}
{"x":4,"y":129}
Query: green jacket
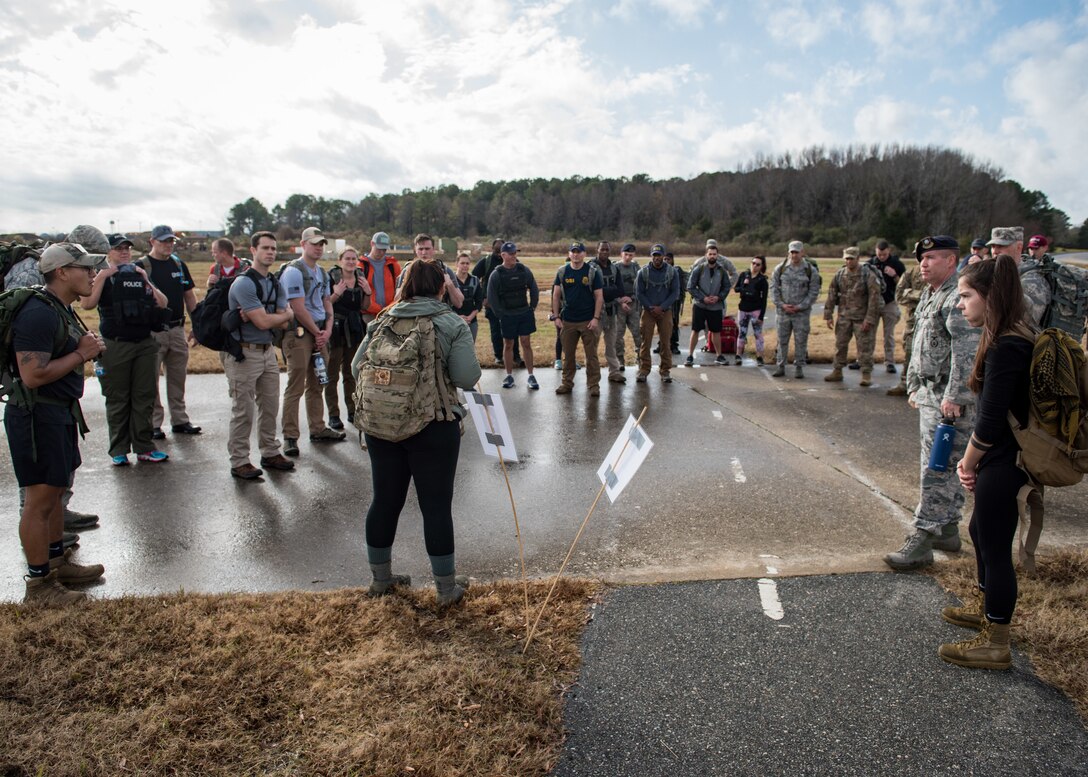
{"x":452,"y":336}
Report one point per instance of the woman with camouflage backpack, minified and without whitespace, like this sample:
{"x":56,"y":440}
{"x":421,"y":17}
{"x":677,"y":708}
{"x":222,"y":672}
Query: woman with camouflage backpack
{"x":415,"y":355}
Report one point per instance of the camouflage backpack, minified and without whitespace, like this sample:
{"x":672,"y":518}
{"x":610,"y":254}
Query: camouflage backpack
{"x":402,"y":384}
{"x":13,"y":253}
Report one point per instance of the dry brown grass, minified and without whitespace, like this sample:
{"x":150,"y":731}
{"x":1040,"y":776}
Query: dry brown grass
{"x":821,"y":344}
{"x":1051,"y":621}
{"x":291,"y":683}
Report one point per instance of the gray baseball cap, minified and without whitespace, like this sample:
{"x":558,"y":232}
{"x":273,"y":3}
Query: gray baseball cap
{"x":381,"y":240}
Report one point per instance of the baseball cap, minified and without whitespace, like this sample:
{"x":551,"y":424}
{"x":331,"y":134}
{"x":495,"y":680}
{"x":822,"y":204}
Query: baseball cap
{"x":1037,"y":241}
{"x":578,"y":248}
{"x":711,"y":243}
{"x":978,"y":242}
{"x":629,"y":247}
{"x":381,"y":240}
{"x":509,"y":248}
{"x":934,"y":243}
{"x":850,"y":253}
{"x":117,"y":240}
{"x":66,"y":255}
{"x":314,"y":235}
{"x":657,"y":250}
{"x":163,"y":232}
{"x":1006,"y":236}
{"x":796,"y":245}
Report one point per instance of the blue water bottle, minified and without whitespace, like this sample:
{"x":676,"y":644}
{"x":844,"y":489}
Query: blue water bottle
{"x":99,"y":369}
{"x":943,"y":441}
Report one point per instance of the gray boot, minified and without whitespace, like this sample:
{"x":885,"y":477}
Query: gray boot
{"x":450,"y":588}
{"x":916,"y":553}
{"x":798,"y":371}
{"x":949,"y":541}
{"x":385,"y":581}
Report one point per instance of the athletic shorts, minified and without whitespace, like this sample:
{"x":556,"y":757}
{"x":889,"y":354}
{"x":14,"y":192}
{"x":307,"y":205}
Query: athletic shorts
{"x":58,"y":449}
{"x":517,"y":325}
{"x":701,"y":319}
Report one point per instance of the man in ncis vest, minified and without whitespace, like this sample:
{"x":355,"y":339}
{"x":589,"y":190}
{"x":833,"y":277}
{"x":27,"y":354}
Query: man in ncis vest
{"x":513,"y":295}
{"x":577,"y":301}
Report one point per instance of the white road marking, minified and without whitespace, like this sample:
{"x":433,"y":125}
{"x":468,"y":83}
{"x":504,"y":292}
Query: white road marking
{"x":703,"y":376}
{"x":895,"y":510}
{"x":738,"y":473}
{"x":768,"y":597}
{"x":772,"y":570}
{"x":717,"y":414}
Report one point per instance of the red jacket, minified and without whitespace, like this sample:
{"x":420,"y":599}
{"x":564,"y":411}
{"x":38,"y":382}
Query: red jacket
{"x":392,"y":270}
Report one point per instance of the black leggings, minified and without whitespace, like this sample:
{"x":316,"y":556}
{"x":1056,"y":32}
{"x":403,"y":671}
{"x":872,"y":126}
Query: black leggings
{"x":993,"y":528}
{"x":430,"y":458}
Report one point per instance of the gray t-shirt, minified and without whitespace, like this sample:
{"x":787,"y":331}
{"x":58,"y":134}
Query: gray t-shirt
{"x":243,"y":296}
{"x":293,"y":287}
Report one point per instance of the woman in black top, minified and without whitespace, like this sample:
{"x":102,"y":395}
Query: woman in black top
{"x":991,"y":297}
{"x":473,"y":290}
{"x":752,"y":287}
{"x":350,"y":295}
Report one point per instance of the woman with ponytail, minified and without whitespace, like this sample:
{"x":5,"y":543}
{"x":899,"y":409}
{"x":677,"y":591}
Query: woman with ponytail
{"x":991,"y":298}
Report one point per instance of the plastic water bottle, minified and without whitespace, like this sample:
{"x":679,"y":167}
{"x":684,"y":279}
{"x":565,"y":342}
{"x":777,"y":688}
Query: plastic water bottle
{"x":319,"y":368}
{"x":943,"y":440}
{"x":99,"y":369}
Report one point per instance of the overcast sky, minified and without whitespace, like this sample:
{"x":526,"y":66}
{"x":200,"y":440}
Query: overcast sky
{"x":149,"y":112}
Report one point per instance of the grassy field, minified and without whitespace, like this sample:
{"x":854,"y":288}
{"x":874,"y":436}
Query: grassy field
{"x":289,"y":684}
{"x":821,"y":340}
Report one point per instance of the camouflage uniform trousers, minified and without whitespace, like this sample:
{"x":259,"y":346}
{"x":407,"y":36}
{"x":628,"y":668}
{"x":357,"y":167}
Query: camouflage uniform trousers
{"x":610,"y":324}
{"x":799,"y":325}
{"x":889,"y":317}
{"x":631,"y":320}
{"x":845,"y":328}
{"x":942,"y":496}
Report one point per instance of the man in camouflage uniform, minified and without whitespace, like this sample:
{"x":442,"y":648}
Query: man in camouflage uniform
{"x":1010,"y":240}
{"x":855,"y":290}
{"x":907,"y":294}
{"x":629,"y":317}
{"x":795,"y":285}
{"x":940,"y":365}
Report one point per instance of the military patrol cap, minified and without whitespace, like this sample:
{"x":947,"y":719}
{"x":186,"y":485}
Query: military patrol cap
{"x":936,"y":243}
{"x":711,"y":243}
{"x":66,"y":255}
{"x":381,"y":240}
{"x":850,"y":253}
{"x":796,"y":245}
{"x":1037,"y":241}
{"x":92,"y":240}
{"x":510,"y":248}
{"x":629,"y":247}
{"x":314,"y":236}
{"x":1006,"y":236}
{"x":577,"y":248}
{"x":657,"y":250}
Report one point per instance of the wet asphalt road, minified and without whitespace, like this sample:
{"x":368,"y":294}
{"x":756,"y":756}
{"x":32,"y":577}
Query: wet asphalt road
{"x":821,"y":477}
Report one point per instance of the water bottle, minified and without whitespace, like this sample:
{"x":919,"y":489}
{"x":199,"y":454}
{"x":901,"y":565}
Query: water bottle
{"x":99,"y":369}
{"x":319,"y":368}
{"x":943,"y":440}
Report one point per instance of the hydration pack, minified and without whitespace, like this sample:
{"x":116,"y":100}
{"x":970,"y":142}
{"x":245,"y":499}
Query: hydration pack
{"x":1068,"y":306}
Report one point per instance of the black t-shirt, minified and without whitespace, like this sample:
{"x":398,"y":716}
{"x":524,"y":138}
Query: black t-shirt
{"x":109,"y":325}
{"x":889,"y":282}
{"x":1006,"y":379}
{"x":34,"y":331}
{"x":171,"y":277}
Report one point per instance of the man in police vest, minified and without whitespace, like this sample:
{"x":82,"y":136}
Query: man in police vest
{"x":513,"y":295}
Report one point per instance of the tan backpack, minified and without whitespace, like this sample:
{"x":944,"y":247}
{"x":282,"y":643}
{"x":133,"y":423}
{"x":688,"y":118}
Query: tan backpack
{"x":402,"y":384}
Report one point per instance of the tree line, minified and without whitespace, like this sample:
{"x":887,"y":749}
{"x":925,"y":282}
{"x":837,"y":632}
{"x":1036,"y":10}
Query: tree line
{"x":824,"y":196}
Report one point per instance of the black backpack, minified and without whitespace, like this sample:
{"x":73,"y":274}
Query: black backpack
{"x":214,"y":321}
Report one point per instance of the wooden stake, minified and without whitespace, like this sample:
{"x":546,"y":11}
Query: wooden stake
{"x":577,"y":537}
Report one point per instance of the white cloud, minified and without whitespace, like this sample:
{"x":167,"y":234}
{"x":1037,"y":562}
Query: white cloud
{"x":800,"y":24}
{"x":886,"y":120}
{"x":679,"y":11}
{"x":937,"y":22}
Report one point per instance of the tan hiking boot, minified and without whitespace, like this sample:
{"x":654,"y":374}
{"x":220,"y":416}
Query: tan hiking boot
{"x":987,"y":650}
{"x":48,"y":592}
{"x":835,"y":376}
{"x":898,"y":391}
{"x":866,"y":378}
{"x":969,"y":615}
{"x":67,"y":571}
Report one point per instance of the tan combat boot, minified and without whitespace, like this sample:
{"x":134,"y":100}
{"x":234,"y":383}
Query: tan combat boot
{"x":835,"y":376}
{"x":987,"y":650}
{"x":898,"y":391}
{"x":67,"y":571}
{"x":48,"y":592}
{"x":866,"y":378}
{"x":969,"y":615}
